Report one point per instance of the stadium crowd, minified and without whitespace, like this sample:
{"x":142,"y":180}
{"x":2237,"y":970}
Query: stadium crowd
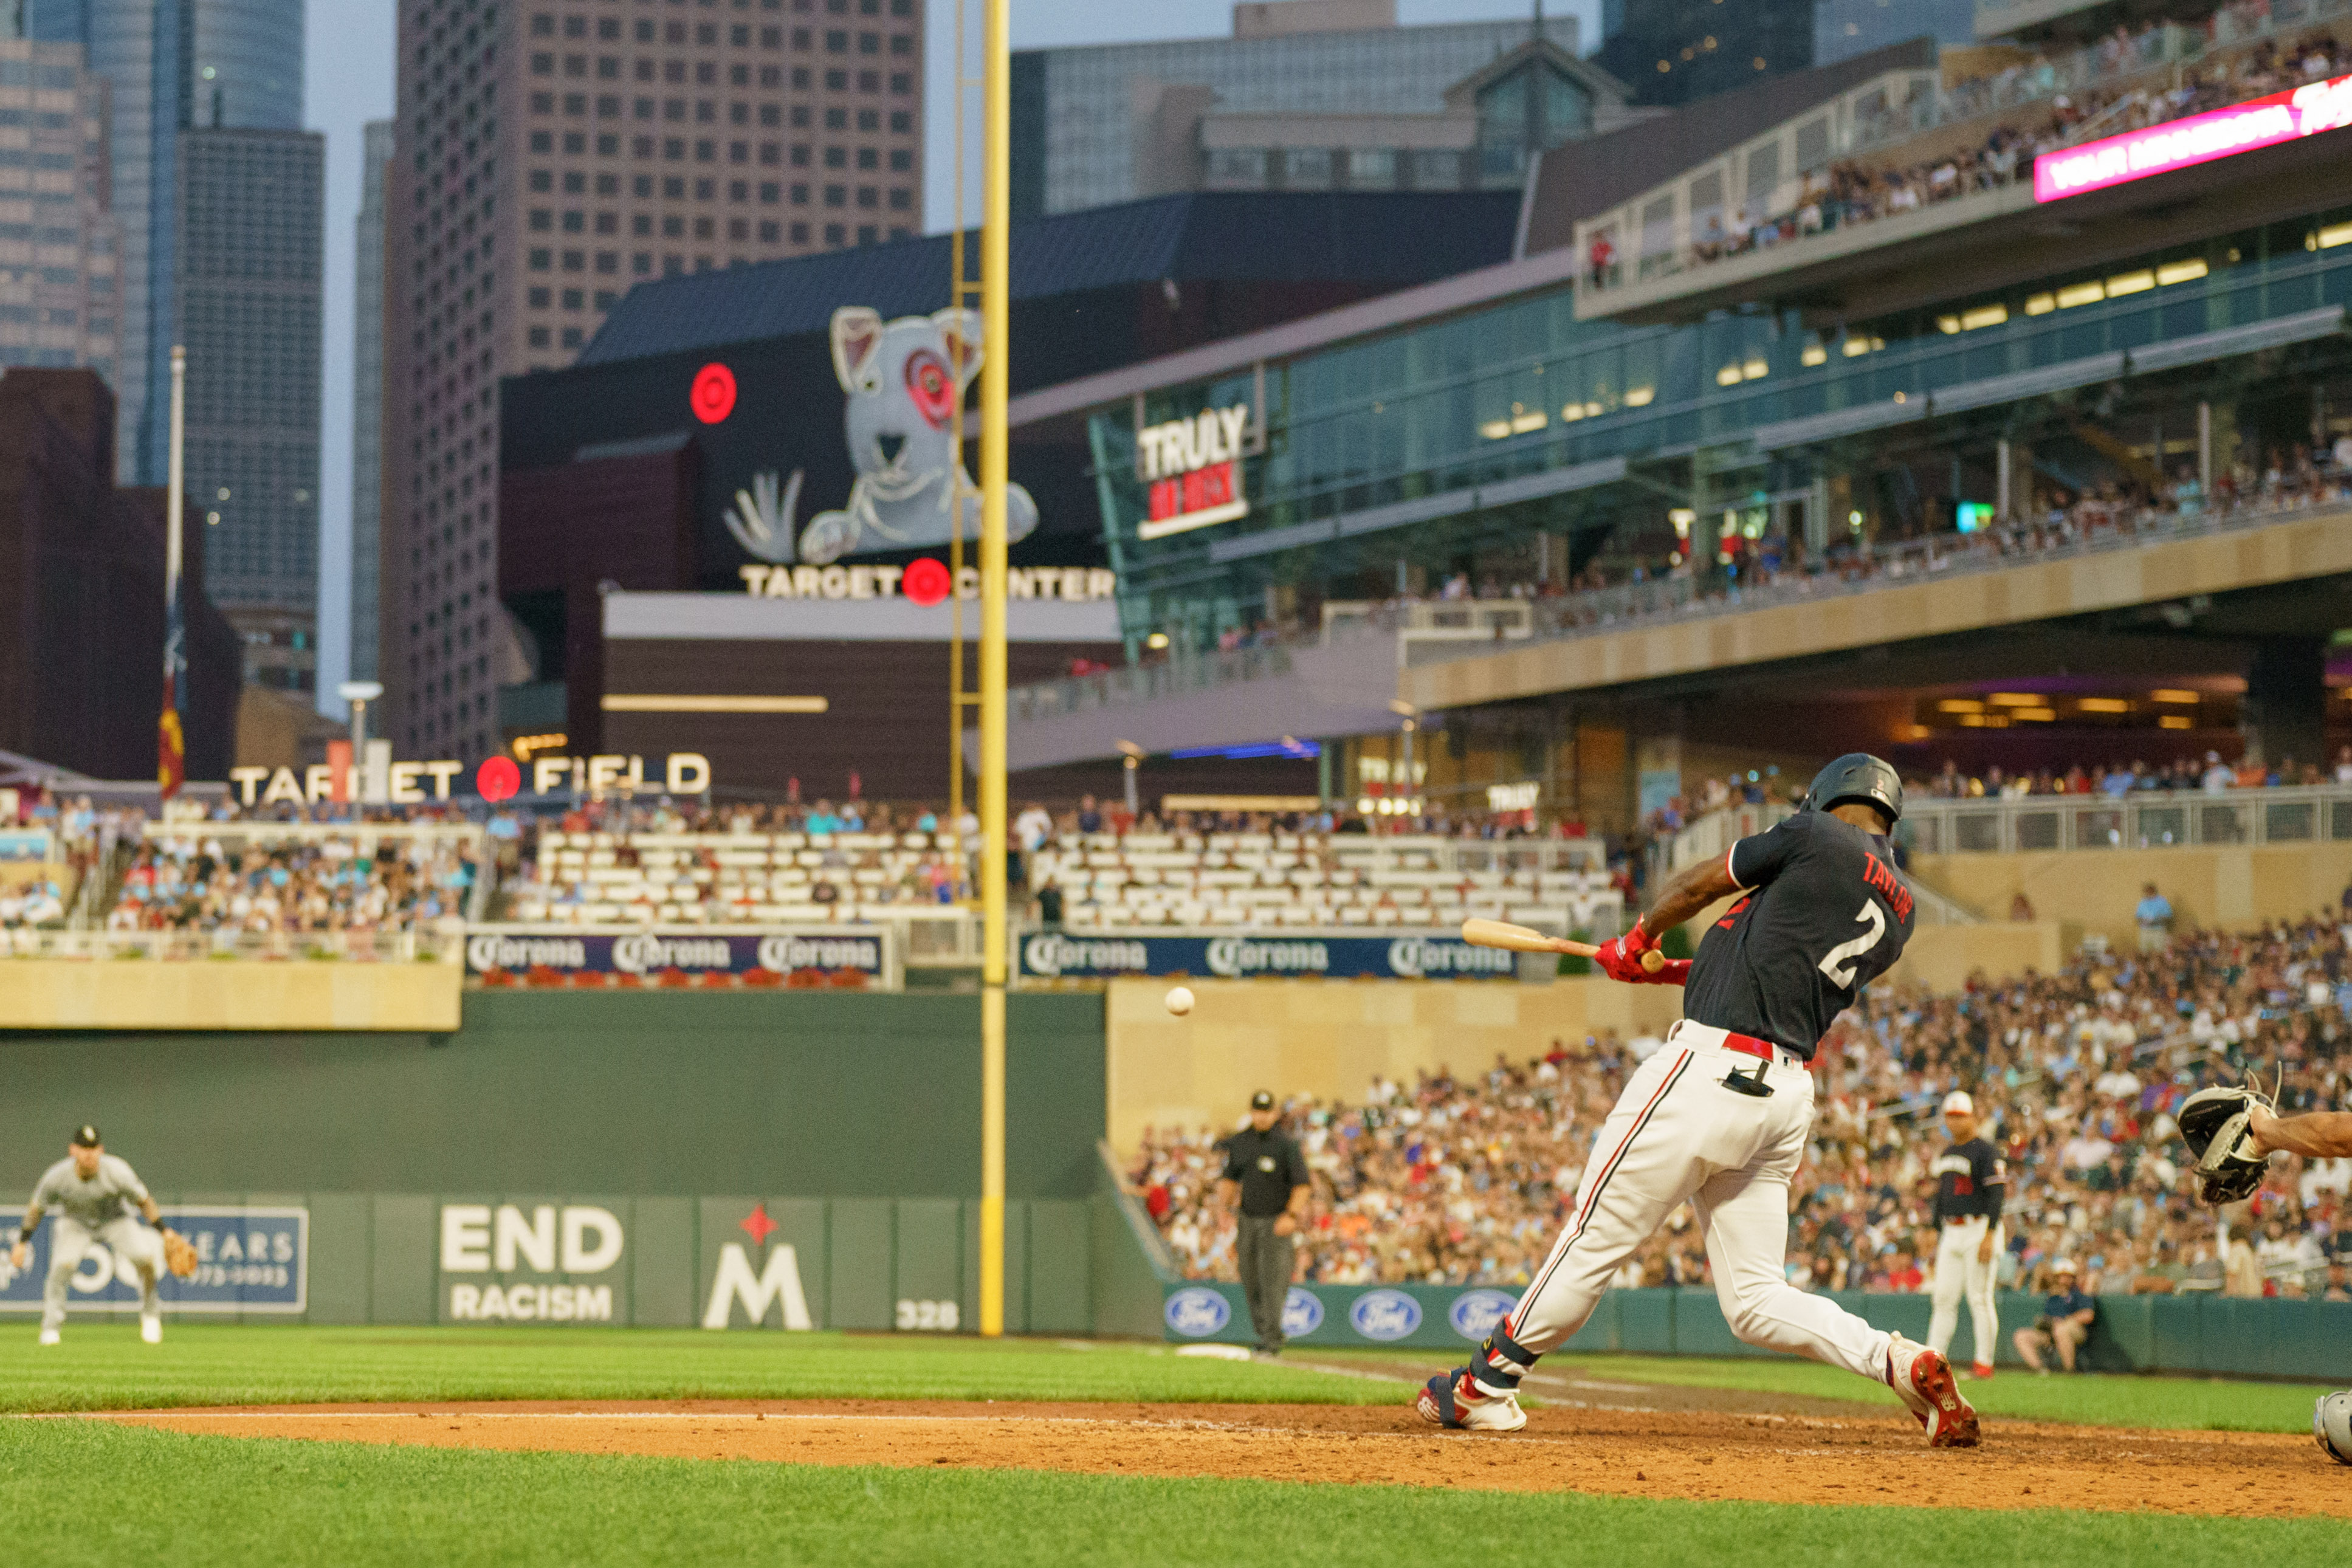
{"x":313,"y":886}
{"x":2244,"y":52}
{"x":1466,"y":1180}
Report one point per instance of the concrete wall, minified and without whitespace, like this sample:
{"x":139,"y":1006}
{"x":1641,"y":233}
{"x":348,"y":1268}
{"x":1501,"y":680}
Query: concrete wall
{"x":1332,"y":1037}
{"x":2236,"y":887}
{"x":226,"y":994}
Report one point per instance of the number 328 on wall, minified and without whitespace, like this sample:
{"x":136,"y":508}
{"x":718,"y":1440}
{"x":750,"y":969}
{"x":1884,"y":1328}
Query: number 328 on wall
{"x":929,"y":1316}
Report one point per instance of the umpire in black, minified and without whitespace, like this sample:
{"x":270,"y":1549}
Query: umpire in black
{"x":1265,"y":1169}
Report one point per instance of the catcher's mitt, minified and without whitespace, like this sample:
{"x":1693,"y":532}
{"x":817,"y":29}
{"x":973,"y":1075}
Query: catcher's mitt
{"x":2213,"y":1125}
{"x":179,"y":1254}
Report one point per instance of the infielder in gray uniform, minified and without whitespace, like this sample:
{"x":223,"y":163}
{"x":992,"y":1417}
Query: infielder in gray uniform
{"x":93,"y":1193}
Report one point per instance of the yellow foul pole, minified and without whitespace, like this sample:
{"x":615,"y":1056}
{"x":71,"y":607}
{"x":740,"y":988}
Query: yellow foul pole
{"x":995,"y":301}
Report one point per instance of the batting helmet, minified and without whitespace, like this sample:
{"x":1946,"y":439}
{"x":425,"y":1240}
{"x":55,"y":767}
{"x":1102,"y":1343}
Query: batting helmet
{"x":1860,"y":777}
{"x":2331,"y":1422}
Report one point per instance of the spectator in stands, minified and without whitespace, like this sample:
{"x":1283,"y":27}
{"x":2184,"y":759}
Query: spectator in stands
{"x":2021,"y":907}
{"x":2153,"y":914}
{"x":2067,"y":1314}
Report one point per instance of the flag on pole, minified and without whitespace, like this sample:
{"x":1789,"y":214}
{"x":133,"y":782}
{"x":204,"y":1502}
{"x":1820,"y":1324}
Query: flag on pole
{"x":170,"y":735}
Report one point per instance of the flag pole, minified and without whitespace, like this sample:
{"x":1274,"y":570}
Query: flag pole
{"x":171,"y":734}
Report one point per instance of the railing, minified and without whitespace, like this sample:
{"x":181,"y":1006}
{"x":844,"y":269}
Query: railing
{"x":1182,"y":676}
{"x":443,"y":943}
{"x":1440,"y":620}
{"x":2143,"y":819}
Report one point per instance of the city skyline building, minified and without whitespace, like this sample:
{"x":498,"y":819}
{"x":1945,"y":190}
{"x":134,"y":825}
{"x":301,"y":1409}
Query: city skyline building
{"x":60,"y":281}
{"x":1306,"y":94}
{"x":1845,"y":28}
{"x":548,"y":154}
{"x":1672,"y":52}
{"x":171,"y":66}
{"x":367,"y":399}
{"x":251,"y":308}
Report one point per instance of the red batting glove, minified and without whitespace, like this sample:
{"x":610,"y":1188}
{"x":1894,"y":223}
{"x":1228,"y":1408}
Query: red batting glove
{"x":1621,"y":957}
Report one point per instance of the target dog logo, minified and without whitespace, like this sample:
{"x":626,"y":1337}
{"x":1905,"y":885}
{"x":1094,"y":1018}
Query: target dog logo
{"x":1196,"y":1313}
{"x":904,"y":379}
{"x":1384,"y":1314}
{"x":1302,"y":1313}
{"x":1474,"y":1313}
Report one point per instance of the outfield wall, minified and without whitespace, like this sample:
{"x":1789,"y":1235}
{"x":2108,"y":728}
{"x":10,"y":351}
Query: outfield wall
{"x":2194,"y":1334}
{"x":229,"y":993}
{"x":852,"y":1096}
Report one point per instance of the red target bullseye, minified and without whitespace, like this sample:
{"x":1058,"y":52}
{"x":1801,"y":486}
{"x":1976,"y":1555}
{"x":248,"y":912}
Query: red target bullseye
{"x":926,"y":582}
{"x":713,"y":396}
{"x":498,"y":779}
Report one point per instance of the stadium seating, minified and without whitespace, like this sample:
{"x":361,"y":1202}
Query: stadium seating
{"x":1459,"y":1181}
{"x":1143,"y":878}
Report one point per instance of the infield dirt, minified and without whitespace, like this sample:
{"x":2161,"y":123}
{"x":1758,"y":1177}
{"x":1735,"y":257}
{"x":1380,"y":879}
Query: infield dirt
{"x":1854,"y":1457}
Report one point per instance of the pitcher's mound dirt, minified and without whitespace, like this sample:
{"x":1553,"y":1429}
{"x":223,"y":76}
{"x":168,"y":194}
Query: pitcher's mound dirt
{"x":1859,"y":1458}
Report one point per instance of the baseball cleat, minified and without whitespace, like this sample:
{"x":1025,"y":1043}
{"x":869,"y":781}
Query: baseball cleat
{"x":49,"y":1336}
{"x":1452,"y":1401}
{"x":1924,"y":1381}
{"x":1981,"y":1371}
{"x":151,"y":1327}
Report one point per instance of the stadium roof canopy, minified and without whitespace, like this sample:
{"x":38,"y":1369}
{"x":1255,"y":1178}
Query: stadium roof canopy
{"x":1373,"y":240}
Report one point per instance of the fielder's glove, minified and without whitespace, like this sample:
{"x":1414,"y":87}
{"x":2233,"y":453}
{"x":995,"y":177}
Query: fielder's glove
{"x":2213,"y":1124}
{"x":179,"y":1254}
{"x":1634,"y":959}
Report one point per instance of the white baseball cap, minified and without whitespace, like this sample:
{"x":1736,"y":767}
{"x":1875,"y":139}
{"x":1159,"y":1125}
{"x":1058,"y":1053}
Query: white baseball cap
{"x":1958,"y":1100}
{"x":2063,"y":1266}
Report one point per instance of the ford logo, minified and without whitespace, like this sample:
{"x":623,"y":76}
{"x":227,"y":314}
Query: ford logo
{"x":1302,"y":1313}
{"x":1474,"y":1313}
{"x":1196,"y":1313}
{"x":1384,"y":1314}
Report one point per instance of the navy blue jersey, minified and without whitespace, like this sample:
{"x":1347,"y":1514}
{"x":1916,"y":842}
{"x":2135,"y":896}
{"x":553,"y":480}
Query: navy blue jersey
{"x":1972,"y":1179}
{"x":1822,"y":914}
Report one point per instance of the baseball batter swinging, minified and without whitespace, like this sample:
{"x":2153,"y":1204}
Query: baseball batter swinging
{"x":1971,"y":1186}
{"x":1720,"y":1117}
{"x":93,"y":1192}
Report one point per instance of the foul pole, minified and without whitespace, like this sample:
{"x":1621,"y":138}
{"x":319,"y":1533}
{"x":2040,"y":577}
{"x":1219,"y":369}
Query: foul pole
{"x":995,"y":297}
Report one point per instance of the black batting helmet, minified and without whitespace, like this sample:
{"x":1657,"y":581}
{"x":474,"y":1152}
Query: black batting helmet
{"x":1860,"y":777}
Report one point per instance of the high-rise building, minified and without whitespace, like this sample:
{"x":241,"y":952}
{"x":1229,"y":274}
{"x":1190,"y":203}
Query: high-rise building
{"x":1290,"y":101}
{"x":60,"y":287}
{"x":549,"y":153}
{"x":1677,"y":51}
{"x":250,"y":246}
{"x":172,"y":66}
{"x":367,"y":400}
{"x":1845,"y":28}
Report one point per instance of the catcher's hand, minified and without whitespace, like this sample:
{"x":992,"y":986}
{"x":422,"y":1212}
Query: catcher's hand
{"x":2216,"y":1125}
{"x":179,"y":1254}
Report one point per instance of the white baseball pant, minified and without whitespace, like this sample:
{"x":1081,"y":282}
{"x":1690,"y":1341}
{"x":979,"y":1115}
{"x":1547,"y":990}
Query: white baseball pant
{"x":124,"y":1236}
{"x":1958,"y":1274}
{"x":1678,"y":1134}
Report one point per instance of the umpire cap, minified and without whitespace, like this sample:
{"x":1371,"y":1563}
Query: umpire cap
{"x":1858,"y":777}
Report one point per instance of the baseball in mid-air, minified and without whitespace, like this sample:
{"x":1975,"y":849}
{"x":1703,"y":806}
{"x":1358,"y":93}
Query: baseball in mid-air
{"x":1179,"y":1000}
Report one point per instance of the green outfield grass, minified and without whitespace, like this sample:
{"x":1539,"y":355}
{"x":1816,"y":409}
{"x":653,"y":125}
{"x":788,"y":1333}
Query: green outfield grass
{"x":103,"y":1366}
{"x":80,"y":1493}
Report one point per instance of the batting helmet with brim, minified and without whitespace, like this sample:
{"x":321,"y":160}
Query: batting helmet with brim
{"x":1858,"y":777}
{"x":2331,"y":1422}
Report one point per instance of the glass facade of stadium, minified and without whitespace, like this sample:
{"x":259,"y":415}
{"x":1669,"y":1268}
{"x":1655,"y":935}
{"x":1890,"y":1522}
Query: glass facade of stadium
{"x":1511,"y":445}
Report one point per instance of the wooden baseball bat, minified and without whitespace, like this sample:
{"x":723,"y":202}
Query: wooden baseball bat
{"x":1522,"y":939}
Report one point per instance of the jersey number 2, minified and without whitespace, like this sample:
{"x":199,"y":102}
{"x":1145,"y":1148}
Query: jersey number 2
{"x":1838,"y":963}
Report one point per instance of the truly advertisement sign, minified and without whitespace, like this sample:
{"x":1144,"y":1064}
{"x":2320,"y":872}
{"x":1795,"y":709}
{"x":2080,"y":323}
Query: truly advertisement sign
{"x":248,"y":1260}
{"x":693,"y":951}
{"x":1060,"y":955}
{"x":1192,"y":471}
{"x":2285,"y":116}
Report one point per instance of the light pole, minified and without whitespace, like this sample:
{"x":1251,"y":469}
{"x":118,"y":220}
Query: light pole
{"x":359,"y":694}
{"x":1130,"y":756}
